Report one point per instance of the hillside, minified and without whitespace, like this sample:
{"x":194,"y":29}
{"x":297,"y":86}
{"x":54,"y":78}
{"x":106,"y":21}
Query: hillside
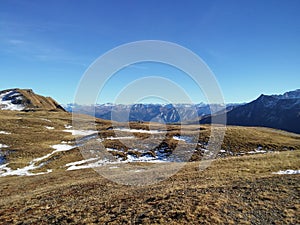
{"x":26,"y":136}
{"x":48,"y":182}
{"x":26,"y":100}
{"x":275,"y":111}
{"x":46,"y":177}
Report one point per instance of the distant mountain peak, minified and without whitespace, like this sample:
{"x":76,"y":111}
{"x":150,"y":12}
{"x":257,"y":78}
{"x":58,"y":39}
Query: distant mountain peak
{"x":275,"y":111}
{"x":289,"y":95}
{"x":266,"y":99}
{"x":26,"y":100}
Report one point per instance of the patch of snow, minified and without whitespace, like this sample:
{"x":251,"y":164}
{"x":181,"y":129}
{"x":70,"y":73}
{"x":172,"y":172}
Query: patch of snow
{"x":131,"y":158}
{"x":4,"y":132}
{"x":49,"y":128}
{"x":112,"y":150}
{"x":120,"y":138}
{"x":256,"y":151}
{"x":46,"y":120}
{"x":68,"y":126}
{"x":81,"y":132}
{"x":58,"y":148}
{"x":41,"y":158}
{"x":62,"y":147}
{"x":81,"y":162}
{"x":282,"y":172}
{"x":139,"y":131}
{"x":25,"y":171}
{"x":66,"y":142}
{"x":6,"y":101}
{"x":84,"y":164}
{"x":113,"y":167}
{"x":2,"y":166}
{"x":3,"y":146}
{"x":222,"y":151}
{"x":204,"y":150}
{"x":183,"y":138}
{"x":178,"y":138}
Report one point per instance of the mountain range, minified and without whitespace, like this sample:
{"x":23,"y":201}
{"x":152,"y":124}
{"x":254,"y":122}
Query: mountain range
{"x":163,"y":113}
{"x":274,"y":111}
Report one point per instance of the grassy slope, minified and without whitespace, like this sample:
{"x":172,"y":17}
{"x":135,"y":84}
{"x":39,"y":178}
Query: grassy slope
{"x":232,"y":190}
{"x":30,"y":138}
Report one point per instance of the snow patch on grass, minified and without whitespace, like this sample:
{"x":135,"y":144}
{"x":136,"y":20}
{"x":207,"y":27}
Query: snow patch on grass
{"x":46,"y":120}
{"x":96,"y":162}
{"x":257,"y":151}
{"x":25,"y":171}
{"x":3,"y":146}
{"x":81,"y":132}
{"x":120,"y":138}
{"x":34,"y":164}
{"x":62,"y":147}
{"x":282,"y":172}
{"x":139,"y":131}
{"x":183,"y":138}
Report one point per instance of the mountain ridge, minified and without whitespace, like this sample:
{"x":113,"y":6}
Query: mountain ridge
{"x":165,"y":113}
{"x":26,"y":100}
{"x":274,"y":111}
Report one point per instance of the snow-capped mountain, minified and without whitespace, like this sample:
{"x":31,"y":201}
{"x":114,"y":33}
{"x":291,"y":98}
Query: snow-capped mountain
{"x":26,"y":100}
{"x":167,"y":113}
{"x":288,"y":95}
{"x":275,"y":111}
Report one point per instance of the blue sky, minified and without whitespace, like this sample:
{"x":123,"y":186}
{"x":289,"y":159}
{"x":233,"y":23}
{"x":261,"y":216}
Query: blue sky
{"x":251,"y":46}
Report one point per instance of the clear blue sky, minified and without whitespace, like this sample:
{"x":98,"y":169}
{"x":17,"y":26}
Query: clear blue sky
{"x":252,"y":47}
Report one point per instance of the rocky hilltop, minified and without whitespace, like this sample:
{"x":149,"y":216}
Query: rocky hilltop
{"x":27,"y":100}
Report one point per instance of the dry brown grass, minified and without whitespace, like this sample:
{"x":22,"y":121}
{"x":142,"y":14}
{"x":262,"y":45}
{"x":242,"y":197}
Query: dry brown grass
{"x":245,"y":138}
{"x":232,"y":190}
{"x":29,"y":136}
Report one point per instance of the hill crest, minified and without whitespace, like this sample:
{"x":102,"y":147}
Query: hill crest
{"x":26,"y":100}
